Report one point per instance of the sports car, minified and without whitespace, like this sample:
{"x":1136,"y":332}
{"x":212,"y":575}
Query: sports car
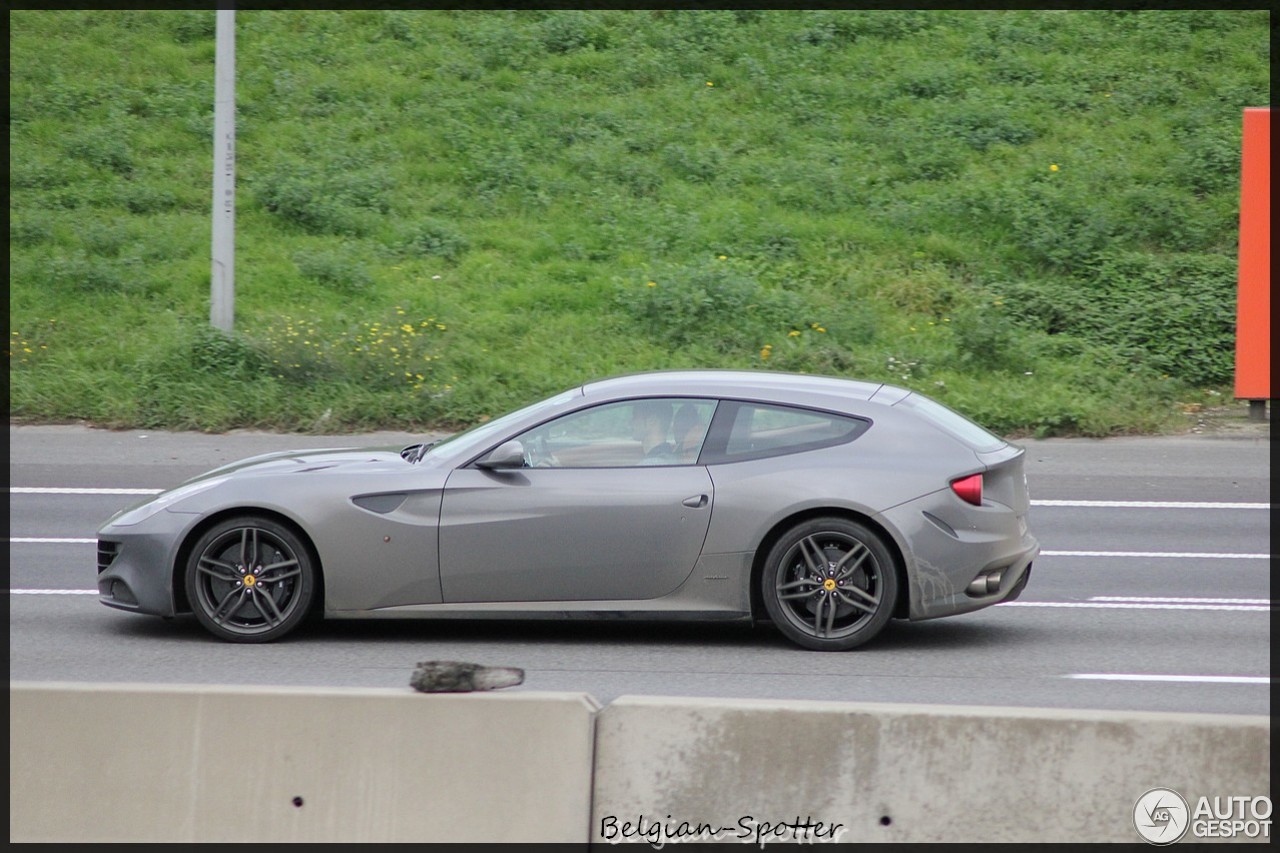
{"x":823,"y":506}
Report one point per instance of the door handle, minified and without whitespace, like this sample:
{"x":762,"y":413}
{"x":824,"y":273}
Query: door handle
{"x":695,"y":502}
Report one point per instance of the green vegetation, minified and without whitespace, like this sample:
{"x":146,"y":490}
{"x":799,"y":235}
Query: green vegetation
{"x":1028,"y":215}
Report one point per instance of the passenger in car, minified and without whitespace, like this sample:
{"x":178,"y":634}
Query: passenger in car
{"x":650,"y":422}
{"x":689,"y":429}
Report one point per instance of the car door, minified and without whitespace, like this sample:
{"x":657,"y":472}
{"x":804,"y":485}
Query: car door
{"x":591,"y":517}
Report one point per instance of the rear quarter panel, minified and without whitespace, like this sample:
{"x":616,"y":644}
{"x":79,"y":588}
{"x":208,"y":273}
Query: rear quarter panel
{"x":897,"y":460}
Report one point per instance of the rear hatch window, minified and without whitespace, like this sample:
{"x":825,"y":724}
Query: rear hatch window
{"x":954,"y":423}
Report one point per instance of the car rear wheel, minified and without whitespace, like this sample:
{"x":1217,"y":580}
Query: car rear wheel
{"x":250,"y":580}
{"x":829,"y":584}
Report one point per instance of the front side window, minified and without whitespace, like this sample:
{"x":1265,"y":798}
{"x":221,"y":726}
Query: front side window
{"x":758,"y":430}
{"x":652,"y":431}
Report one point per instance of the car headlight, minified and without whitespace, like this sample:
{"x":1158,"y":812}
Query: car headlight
{"x":164,"y":501}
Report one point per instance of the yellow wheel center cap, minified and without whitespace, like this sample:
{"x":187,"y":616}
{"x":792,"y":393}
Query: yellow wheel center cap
{"x":250,"y":580}
{"x":829,"y":584}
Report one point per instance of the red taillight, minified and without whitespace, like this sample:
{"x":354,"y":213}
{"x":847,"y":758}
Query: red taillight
{"x":969,"y":488}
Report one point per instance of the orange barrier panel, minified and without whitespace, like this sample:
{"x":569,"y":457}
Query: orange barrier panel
{"x":1253,"y":307}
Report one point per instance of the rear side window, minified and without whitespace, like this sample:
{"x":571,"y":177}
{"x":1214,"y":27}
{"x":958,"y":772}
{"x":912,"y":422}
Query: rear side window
{"x":757,"y":430}
{"x":953,"y":422}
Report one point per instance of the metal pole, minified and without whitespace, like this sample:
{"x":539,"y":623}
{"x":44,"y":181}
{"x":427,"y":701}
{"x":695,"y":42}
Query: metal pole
{"x":222,"y":303}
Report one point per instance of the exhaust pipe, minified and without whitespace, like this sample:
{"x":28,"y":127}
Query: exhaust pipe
{"x":985,"y":584}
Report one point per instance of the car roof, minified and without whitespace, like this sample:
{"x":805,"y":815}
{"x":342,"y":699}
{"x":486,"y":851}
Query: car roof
{"x":749,"y":384}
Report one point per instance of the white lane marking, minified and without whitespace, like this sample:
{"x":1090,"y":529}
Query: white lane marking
{"x":1158,"y":504}
{"x":1136,"y":605}
{"x":1171,"y":600}
{"x":33,"y":490}
{"x":1179,"y":555}
{"x":53,"y":592}
{"x":1200,"y":679}
{"x":46,"y":540}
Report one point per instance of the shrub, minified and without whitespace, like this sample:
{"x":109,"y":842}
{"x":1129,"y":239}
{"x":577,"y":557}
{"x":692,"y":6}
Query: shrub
{"x":435,"y":238}
{"x":987,"y":341}
{"x":566,"y":30}
{"x":1208,"y":162}
{"x":714,"y":305}
{"x":398,"y":354}
{"x":205,"y":350}
{"x":329,"y":198}
{"x":889,"y":24}
{"x":106,"y":146}
{"x":1062,"y":224}
{"x":339,"y":269}
{"x":1177,"y":312}
{"x":981,"y":125}
{"x":29,"y":231}
{"x":79,"y":273}
{"x":190,"y":27}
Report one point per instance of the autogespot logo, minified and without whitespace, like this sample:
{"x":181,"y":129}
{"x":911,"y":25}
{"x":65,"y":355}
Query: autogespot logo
{"x":1161,"y":816}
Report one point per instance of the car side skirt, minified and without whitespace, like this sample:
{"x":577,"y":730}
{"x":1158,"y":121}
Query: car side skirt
{"x":717,"y":589}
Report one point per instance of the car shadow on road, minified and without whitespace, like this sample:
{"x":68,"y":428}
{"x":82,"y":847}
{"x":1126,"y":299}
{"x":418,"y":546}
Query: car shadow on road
{"x":961,"y":633}
{"x":948,"y":634}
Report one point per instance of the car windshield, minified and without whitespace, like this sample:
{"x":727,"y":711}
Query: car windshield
{"x":481,"y":433}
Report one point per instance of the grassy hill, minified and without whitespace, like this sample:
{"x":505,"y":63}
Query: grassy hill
{"x":1028,"y":215}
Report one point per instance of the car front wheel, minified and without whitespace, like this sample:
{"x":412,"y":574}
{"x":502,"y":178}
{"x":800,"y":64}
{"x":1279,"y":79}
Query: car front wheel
{"x":829,"y":584}
{"x":250,"y":580}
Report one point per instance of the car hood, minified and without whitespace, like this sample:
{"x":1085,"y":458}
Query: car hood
{"x":343,"y":459}
{"x":269,"y":480}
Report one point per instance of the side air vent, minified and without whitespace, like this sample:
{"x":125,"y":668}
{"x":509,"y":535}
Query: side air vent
{"x":381,"y":504}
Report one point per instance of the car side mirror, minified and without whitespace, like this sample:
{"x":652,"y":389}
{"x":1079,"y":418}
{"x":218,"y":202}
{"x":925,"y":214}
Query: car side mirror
{"x":504,"y":456}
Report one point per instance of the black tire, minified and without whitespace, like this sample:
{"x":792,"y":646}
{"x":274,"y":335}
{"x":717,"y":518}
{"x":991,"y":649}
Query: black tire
{"x":829,"y":584}
{"x":250,"y":580}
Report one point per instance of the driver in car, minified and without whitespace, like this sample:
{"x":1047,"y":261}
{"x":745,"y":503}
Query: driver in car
{"x":650,"y":424}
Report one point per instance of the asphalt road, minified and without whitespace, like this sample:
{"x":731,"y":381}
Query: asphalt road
{"x":1153,"y":593}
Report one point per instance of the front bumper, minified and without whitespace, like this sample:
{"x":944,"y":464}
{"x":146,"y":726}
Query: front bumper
{"x":136,"y":564}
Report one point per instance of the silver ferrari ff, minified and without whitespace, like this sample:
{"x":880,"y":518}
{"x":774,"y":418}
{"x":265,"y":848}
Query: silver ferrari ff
{"x":825,"y":506}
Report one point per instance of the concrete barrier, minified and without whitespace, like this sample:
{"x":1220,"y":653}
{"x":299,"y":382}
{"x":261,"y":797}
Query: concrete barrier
{"x":895,"y":773}
{"x":113,"y":763}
